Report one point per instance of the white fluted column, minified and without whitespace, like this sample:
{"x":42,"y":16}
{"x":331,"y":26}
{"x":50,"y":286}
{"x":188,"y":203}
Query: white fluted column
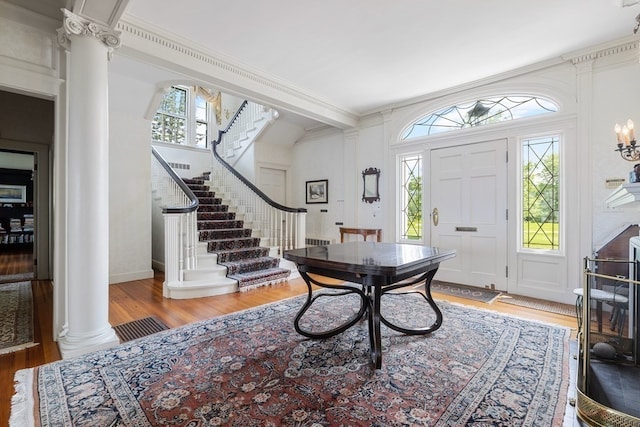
{"x":87,"y":179}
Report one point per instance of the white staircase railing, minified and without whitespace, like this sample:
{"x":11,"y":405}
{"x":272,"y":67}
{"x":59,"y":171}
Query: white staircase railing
{"x":179,"y":209}
{"x":242,"y":127}
{"x":280,"y":226}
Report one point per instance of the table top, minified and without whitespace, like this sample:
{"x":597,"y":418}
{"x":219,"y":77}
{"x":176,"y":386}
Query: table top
{"x":375,"y":258}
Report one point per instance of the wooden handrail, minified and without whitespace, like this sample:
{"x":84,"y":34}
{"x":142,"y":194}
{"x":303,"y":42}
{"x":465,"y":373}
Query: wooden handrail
{"x":192,"y":197}
{"x":238,"y":175}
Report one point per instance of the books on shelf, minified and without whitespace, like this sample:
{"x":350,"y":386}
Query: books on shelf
{"x":18,"y":230}
{"x":15,"y":224}
{"x":28,"y":222}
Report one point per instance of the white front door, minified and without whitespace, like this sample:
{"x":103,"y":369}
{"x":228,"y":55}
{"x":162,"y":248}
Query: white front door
{"x":469,"y":212}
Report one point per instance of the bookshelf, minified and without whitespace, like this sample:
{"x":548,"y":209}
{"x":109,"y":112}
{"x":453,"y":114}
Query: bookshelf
{"x":16,"y":228}
{"x":16,"y":210}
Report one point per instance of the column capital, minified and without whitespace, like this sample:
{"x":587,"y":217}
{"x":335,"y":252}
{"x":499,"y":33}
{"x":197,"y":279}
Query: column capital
{"x":76,"y":25}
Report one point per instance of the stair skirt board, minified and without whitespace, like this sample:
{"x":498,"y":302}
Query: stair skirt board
{"x":199,"y":289}
{"x":246,"y":261}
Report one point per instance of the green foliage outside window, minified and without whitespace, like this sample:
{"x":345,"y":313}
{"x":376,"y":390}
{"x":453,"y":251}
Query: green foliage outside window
{"x":169,"y":123}
{"x":412,"y":197}
{"x":541,"y":193}
{"x":183,"y":118}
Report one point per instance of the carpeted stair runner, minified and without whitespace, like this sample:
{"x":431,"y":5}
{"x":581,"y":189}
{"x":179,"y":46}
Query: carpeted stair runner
{"x":246,"y":261}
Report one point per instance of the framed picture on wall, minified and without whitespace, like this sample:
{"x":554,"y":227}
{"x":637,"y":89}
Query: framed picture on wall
{"x":13,"y":193}
{"x":318,"y":191}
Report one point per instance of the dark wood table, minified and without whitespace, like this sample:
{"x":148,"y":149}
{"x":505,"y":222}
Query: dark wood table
{"x":379,"y":268}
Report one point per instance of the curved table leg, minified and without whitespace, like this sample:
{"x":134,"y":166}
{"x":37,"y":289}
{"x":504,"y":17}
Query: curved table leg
{"x":375,"y":336}
{"x":427,"y":277}
{"x":370,"y":302}
{"x":364,"y":305}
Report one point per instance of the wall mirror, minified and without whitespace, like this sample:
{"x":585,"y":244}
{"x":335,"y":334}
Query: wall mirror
{"x":371,"y":178}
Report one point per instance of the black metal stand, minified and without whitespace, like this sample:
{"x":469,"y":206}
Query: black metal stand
{"x":370,"y":303}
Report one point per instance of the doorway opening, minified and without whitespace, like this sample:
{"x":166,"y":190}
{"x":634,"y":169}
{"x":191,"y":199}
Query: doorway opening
{"x":27,"y":124}
{"x":17,"y":220}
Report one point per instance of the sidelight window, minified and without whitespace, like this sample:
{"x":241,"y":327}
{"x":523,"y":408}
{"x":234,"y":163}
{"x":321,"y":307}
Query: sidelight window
{"x":540,"y":219}
{"x":411,"y":197}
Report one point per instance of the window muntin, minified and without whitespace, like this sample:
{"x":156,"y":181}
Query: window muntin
{"x":183,"y":118}
{"x":478,"y":113}
{"x":202,"y":122}
{"x":540,"y":188}
{"x":169,"y":123}
{"x":411,"y":197}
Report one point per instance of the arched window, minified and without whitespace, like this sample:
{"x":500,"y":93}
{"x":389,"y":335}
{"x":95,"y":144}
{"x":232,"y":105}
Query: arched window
{"x":478,"y":113}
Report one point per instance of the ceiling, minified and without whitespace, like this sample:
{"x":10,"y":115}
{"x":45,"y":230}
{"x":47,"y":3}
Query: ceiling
{"x":365,"y":55}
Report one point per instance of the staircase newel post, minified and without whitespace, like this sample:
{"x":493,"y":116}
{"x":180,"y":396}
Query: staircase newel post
{"x":193,"y":239}
{"x":172,"y":251}
{"x":301,"y":230}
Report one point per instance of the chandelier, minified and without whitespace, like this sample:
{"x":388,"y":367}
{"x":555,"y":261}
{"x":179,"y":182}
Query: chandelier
{"x":627,"y":142}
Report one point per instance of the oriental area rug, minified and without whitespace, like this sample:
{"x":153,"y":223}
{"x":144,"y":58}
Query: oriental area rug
{"x":16,"y":277}
{"x":251,"y":368}
{"x":16,"y":317}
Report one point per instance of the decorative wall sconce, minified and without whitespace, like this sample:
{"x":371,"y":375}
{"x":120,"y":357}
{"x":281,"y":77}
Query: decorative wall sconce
{"x":627,"y":142}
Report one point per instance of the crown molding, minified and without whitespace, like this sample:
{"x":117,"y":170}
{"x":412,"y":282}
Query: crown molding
{"x":169,"y":51}
{"x":620,"y":46}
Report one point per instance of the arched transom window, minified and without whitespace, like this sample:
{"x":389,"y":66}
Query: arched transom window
{"x":478,"y":113}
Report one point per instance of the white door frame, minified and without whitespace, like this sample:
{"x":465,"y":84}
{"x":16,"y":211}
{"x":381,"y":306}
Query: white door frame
{"x":569,"y":272}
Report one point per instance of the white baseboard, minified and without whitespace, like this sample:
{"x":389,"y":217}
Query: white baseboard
{"x":130,"y":277}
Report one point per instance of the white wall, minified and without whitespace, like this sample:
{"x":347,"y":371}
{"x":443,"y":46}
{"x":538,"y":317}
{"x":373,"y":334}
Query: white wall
{"x":197,"y":160}
{"x":371,"y":153}
{"x":129,"y":205}
{"x":129,"y":179}
{"x":317,"y":157}
{"x":615,"y":99}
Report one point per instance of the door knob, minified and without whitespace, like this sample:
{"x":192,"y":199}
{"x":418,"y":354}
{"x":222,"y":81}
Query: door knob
{"x":435,"y":217}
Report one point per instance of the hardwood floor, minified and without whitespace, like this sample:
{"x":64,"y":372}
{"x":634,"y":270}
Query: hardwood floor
{"x":142,"y":298}
{"x":16,"y":261}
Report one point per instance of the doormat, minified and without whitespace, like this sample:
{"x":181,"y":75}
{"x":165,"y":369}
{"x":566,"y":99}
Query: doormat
{"x":16,"y":317}
{"x":139,"y":328}
{"x":464,"y":291}
{"x":539,"y":304}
